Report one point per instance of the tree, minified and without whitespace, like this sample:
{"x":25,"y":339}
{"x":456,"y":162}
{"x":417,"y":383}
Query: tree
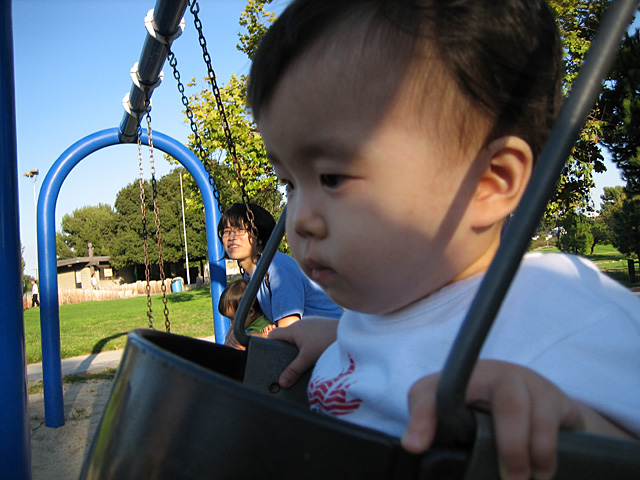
{"x":86,"y":225}
{"x":610,"y":201}
{"x":621,"y":106}
{"x":257,"y":175}
{"x":127,"y":246}
{"x":574,"y":236}
{"x":626,"y":226}
{"x":600,"y":232}
{"x":578,"y":21}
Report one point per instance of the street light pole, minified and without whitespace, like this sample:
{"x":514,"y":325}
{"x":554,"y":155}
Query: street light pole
{"x":33,"y":175}
{"x":184,"y":230}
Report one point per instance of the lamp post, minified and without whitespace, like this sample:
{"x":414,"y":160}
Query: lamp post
{"x":184,"y":231}
{"x":33,"y":175}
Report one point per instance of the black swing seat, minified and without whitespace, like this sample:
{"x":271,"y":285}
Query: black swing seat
{"x":183,"y":408}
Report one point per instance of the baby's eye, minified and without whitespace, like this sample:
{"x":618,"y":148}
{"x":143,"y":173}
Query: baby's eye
{"x":331,"y":180}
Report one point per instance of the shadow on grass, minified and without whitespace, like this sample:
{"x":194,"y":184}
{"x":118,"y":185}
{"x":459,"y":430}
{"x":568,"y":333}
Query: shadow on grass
{"x":97,"y":348}
{"x":181,"y":297}
{"x":613,"y":257}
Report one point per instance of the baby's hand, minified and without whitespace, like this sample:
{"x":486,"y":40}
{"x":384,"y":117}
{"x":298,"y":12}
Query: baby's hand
{"x":268,"y":328}
{"x":312,"y":336}
{"x":527,"y":410}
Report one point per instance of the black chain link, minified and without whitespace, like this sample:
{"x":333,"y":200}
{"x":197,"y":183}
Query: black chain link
{"x":200,"y":152}
{"x":194,"y":8}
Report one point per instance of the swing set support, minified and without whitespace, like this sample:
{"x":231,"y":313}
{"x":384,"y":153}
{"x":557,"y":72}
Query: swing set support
{"x":15,"y":447}
{"x":49,"y":310}
{"x":163,"y":25}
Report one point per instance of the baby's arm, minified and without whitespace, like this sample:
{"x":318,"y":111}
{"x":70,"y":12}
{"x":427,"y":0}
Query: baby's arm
{"x":283,"y":322}
{"x":312,"y":336}
{"x":527,"y":410}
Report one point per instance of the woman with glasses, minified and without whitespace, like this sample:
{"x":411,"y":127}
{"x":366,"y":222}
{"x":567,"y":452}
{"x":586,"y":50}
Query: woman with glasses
{"x":286,"y":295}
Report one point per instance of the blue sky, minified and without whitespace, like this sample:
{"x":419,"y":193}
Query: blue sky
{"x":72,"y":61}
{"x":72,"y":64}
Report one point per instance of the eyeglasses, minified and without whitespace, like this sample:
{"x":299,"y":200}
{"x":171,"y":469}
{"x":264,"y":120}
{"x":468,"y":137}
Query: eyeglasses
{"x":236,"y":232}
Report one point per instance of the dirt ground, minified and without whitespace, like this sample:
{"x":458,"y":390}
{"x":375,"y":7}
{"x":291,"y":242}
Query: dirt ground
{"x":58,"y":453}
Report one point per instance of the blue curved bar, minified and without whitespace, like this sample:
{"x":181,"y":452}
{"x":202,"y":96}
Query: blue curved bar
{"x":49,"y":311}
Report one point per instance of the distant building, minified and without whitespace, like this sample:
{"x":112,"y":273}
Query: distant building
{"x":76,"y":272}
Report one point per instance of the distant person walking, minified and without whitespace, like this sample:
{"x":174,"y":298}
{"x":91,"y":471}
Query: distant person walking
{"x":35,"y":301}
{"x":94,"y":281}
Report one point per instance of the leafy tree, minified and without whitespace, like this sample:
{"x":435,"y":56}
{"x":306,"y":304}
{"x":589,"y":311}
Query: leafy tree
{"x":574,"y":236}
{"x":256,"y":21}
{"x":578,"y":21}
{"x":128,"y":243}
{"x":611,"y":201}
{"x":257,"y":175}
{"x":600,"y":232}
{"x":85,"y":225}
{"x":621,"y":107}
{"x":170,"y":206}
{"x":626,"y":226}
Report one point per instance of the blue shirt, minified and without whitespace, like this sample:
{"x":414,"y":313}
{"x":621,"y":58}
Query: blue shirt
{"x":290,"y":292}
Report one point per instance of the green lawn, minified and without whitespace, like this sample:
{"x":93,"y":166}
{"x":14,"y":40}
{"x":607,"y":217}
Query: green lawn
{"x":100,"y":326}
{"x":610,"y":261}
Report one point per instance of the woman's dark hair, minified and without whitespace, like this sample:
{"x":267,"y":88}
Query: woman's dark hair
{"x":237,"y":215}
{"x":231,"y":296}
{"x":504,"y":55}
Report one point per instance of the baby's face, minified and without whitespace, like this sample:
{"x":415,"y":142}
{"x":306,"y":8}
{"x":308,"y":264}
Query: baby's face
{"x":376,"y":210}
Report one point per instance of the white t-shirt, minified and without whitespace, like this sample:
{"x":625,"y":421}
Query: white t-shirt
{"x":561,"y":318}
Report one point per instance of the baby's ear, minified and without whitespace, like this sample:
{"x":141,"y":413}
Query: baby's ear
{"x":502,"y":184}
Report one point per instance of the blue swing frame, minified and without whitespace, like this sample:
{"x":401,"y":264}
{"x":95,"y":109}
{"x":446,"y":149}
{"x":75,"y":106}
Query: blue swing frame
{"x":15,"y":447}
{"x":14,"y":431}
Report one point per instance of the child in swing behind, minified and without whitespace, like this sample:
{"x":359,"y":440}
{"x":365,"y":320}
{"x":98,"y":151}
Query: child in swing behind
{"x":405,"y":132}
{"x":255,"y":323}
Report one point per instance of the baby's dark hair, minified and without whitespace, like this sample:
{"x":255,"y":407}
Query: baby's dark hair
{"x":505,"y":56}
{"x":231,"y":296}
{"x":237,"y":216}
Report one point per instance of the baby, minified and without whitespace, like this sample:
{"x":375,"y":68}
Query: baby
{"x":405,"y":132}
{"x":255,"y":323}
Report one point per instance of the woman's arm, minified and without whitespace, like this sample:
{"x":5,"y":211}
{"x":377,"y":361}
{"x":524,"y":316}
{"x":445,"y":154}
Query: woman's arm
{"x":286,"y":321}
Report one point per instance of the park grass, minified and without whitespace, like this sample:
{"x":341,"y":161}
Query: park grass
{"x":92,"y":327}
{"x":610,"y":261}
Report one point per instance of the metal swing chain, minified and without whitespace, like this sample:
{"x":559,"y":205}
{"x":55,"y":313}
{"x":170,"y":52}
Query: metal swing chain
{"x":156,"y":212}
{"x":194,"y":8}
{"x":173,"y":62}
{"x":145,"y":235}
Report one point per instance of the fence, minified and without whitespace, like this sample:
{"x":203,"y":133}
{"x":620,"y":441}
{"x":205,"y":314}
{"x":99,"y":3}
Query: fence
{"x":107,"y":292}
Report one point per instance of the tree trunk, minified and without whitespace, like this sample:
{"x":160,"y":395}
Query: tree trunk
{"x":632,"y":270}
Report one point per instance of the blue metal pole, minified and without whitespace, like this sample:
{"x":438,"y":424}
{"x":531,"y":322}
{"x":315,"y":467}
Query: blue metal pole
{"x":15,"y":442}
{"x":49,"y":311}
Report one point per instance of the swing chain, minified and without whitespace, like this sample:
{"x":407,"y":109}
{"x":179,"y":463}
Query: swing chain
{"x":156,"y":212}
{"x":145,"y":234}
{"x":173,"y":62}
{"x":194,"y":9}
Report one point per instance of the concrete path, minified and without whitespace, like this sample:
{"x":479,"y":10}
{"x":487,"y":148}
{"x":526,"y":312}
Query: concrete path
{"x":94,"y":363}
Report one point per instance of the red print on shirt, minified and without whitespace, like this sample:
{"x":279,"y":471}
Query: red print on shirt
{"x":330,"y":396}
